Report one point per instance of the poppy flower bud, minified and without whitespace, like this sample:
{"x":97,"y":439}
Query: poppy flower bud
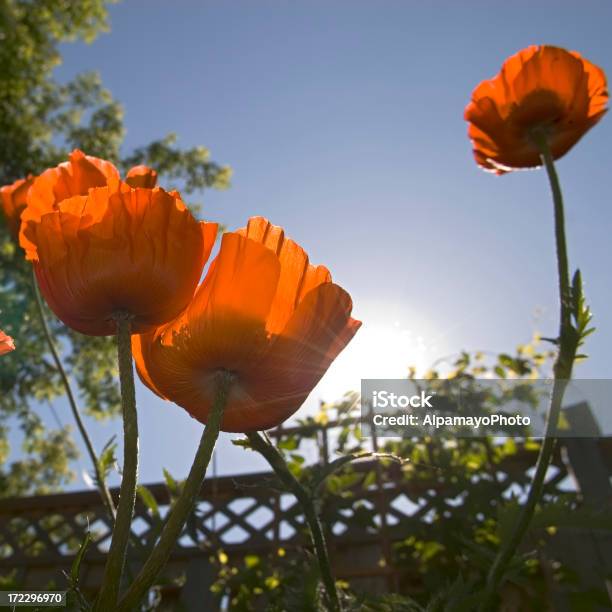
{"x":141,"y":176}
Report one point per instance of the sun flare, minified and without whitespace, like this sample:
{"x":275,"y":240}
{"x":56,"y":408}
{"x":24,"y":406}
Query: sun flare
{"x":391,"y":340}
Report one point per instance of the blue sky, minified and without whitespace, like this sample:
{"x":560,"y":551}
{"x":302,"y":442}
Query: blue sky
{"x":343,"y":122}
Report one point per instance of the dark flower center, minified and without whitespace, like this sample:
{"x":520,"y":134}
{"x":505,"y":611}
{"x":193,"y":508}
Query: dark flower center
{"x":541,"y":108}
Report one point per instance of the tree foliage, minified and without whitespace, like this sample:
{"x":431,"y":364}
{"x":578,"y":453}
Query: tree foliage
{"x":41,"y":121}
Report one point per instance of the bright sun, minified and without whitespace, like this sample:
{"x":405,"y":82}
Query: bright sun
{"x":390,"y":340}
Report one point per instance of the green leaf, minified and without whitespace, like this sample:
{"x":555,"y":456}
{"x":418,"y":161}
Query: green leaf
{"x":251,"y":561}
{"x":148,"y":499}
{"x":295,"y":458}
{"x":75,"y":569}
{"x":242,"y":442}
{"x":107,"y":459}
{"x":336,"y":465}
{"x":171,"y":483}
{"x":577,"y":294}
{"x":499,"y":371}
{"x":289,"y":443}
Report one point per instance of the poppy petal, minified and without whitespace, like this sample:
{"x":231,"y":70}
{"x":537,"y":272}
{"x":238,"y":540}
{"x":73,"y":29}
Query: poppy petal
{"x":297,"y":276}
{"x":74,"y":177}
{"x":6,"y":343}
{"x":141,"y":176}
{"x":13,"y":201}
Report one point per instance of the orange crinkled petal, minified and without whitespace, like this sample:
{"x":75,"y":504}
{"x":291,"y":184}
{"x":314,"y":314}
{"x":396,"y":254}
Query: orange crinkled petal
{"x":6,"y":343}
{"x":74,"y":177}
{"x":13,"y":201}
{"x":141,"y":176}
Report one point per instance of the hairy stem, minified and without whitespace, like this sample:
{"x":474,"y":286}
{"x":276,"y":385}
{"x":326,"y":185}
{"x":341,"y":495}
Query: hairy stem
{"x":115,"y":561}
{"x":562,"y":371}
{"x":278,"y":464}
{"x":184,"y":504}
{"x":107,"y":500}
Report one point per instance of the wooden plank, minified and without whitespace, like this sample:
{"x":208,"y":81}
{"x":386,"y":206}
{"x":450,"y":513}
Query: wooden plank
{"x":584,"y":457}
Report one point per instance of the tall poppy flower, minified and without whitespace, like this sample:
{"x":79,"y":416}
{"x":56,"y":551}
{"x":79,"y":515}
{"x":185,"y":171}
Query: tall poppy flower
{"x":541,"y":88}
{"x":262,"y":313}
{"x":138,"y":251}
{"x":13,"y":200}
{"x":6,"y":343}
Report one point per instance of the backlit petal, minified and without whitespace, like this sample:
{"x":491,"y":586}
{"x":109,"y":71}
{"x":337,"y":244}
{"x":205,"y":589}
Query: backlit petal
{"x":317,"y":332}
{"x":297,"y":276}
{"x":13,"y":201}
{"x":74,"y":177}
{"x":6,"y":343}
{"x":141,"y":176}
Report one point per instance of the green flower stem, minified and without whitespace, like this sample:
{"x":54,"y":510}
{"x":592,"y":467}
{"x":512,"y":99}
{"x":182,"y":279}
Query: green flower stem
{"x":278,"y":464}
{"x":107,"y":500}
{"x":183,"y":505}
{"x":115,"y":561}
{"x":562,"y":372}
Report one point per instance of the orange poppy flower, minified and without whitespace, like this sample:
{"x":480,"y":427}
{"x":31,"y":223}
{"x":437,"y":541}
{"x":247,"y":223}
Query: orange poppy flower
{"x":138,"y":251}
{"x":541,"y":88}
{"x":262,"y":313}
{"x":13,"y":199}
{"x":141,"y":176}
{"x":6,"y":343}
